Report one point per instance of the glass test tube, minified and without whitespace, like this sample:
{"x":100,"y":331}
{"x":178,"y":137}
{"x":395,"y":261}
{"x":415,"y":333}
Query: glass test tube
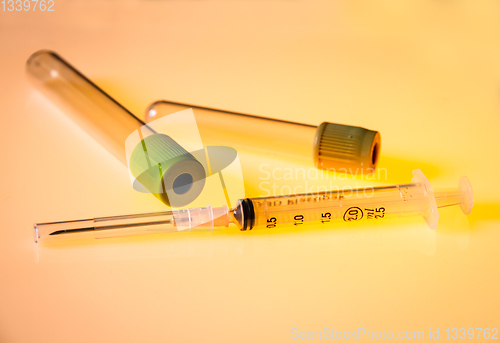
{"x":331,"y":146}
{"x":176,"y":179}
{"x":90,"y":107}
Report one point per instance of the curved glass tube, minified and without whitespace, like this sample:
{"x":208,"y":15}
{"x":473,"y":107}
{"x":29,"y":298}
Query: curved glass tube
{"x":90,"y":107}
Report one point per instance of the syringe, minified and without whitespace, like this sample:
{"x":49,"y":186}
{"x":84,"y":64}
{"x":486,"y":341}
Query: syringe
{"x":369,"y":204}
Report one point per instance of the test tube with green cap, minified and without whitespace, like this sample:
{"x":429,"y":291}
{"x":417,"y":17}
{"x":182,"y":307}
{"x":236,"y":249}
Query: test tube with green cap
{"x":110,"y":124}
{"x":337,"y":147}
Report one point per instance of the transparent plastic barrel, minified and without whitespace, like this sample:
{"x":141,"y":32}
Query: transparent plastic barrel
{"x":367,"y":204}
{"x":363,"y":204}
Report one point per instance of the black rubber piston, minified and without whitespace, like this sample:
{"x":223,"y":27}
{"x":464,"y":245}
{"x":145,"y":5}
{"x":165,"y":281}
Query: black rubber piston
{"x":248,"y":214}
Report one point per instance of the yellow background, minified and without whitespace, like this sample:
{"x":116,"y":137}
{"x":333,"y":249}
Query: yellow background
{"x":426,"y":74}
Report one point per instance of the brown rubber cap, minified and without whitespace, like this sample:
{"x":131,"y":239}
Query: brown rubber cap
{"x":346,"y":149}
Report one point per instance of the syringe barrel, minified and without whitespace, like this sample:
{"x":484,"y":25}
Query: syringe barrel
{"x":369,"y":204}
{"x":342,"y":148}
{"x":88,"y":105}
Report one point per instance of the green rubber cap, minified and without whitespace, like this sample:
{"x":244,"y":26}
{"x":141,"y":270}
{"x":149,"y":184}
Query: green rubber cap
{"x":167,"y":170}
{"x":346,"y":148}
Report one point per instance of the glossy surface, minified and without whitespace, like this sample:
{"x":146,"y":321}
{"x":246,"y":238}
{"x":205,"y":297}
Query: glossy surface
{"x":425,"y":74}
